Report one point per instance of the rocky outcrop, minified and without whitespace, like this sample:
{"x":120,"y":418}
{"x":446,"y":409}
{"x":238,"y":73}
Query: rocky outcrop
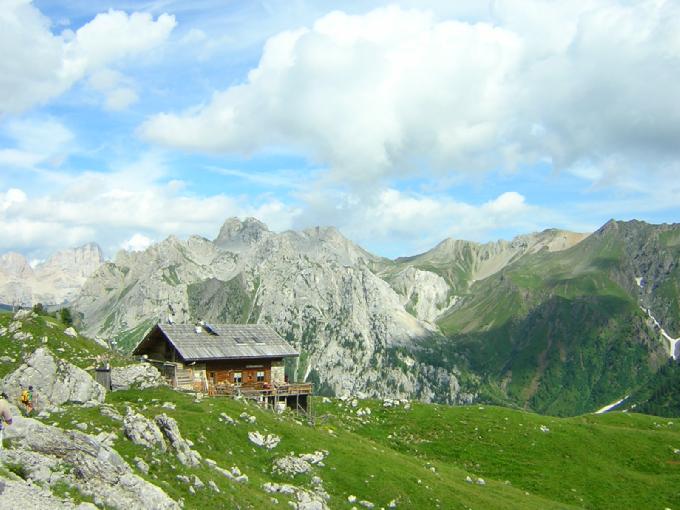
{"x":268,"y":441}
{"x":19,"y":493}
{"x":142,"y":431}
{"x":168,"y":426}
{"x":54,"y":382}
{"x":141,"y":376}
{"x":424,"y":294}
{"x":98,"y":471}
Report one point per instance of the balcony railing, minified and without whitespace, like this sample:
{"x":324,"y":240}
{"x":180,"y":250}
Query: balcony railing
{"x":260,"y":390}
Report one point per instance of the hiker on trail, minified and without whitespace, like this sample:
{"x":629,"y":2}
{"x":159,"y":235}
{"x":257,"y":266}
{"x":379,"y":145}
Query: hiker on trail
{"x":27,"y":399}
{"x":5,"y":415}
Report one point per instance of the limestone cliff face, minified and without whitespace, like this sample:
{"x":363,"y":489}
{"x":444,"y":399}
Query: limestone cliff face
{"x":314,"y":287}
{"x":355,"y":317}
{"x":56,"y":281}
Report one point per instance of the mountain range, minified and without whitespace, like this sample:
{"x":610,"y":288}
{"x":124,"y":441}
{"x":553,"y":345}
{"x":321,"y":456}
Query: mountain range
{"x":556,"y":322}
{"x":55,"y":281}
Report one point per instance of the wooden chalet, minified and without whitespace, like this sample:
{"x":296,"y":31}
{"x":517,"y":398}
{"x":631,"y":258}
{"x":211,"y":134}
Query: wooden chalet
{"x":225,"y":359}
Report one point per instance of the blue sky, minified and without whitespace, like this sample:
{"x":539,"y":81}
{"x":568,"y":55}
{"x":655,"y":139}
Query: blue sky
{"x":401,"y":124}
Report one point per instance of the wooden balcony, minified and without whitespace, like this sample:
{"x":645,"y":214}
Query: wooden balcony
{"x":261,"y":390}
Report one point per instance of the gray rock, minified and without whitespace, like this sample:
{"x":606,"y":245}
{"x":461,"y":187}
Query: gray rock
{"x":141,"y":375}
{"x":71,"y":332}
{"x":22,"y":315}
{"x":170,"y":430}
{"x":306,"y":500}
{"x":54,"y":381}
{"x":141,"y":465}
{"x":142,"y":431}
{"x":110,"y":412}
{"x":269,"y":441}
{"x":234,"y":474}
{"x":98,"y":470}
{"x":291,"y":466}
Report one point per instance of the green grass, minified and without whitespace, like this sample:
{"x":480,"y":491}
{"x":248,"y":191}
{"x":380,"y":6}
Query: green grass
{"x":593,"y":461}
{"x":81,"y":351}
{"x":420,"y":456}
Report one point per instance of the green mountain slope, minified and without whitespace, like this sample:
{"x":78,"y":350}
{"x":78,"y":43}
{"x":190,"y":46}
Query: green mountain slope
{"x":563,"y":332}
{"x":411,"y":454}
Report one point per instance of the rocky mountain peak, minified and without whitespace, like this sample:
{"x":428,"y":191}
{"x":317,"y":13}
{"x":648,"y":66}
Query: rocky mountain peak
{"x":54,"y":281}
{"x":236,"y":234}
{"x":15,"y":265}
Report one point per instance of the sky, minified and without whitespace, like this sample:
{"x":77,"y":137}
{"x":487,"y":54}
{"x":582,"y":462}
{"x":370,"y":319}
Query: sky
{"x":400,"y":124}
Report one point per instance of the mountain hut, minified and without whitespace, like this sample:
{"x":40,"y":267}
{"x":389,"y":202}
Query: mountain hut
{"x":225,"y":359}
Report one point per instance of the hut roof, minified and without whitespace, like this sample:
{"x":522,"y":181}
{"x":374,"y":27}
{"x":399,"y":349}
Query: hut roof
{"x":220,"y":341}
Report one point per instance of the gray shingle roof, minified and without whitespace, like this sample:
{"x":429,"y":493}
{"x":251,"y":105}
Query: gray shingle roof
{"x":225,"y":341}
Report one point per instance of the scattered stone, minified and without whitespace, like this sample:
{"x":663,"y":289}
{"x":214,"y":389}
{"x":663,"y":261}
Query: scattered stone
{"x":169,"y":405}
{"x":392,"y":504}
{"x":110,"y":412}
{"x":234,"y":474}
{"x":6,"y":359}
{"x":198,"y":482}
{"x":213,"y":486}
{"x":352,"y":498}
{"x":480,"y":481}
{"x":315,"y":458}
{"x":366,"y":504}
{"x":226,"y":418}
{"x":270,"y":441}
{"x":306,"y":500}
{"x":81,"y":426}
{"x":354,"y":402}
{"x":544,"y":429}
{"x":22,"y":315}
{"x":291,"y":465}
{"x":14,"y":327}
{"x":71,"y":332}
{"x":22,"y":336}
{"x":183,"y":479}
{"x":468,"y":479}
{"x":141,"y":465}
{"x":245,"y":416}
{"x":326,"y":400}
{"x":364,"y":411}
{"x":192,"y":490}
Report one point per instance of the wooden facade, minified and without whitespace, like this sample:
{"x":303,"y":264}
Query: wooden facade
{"x":246,"y":360}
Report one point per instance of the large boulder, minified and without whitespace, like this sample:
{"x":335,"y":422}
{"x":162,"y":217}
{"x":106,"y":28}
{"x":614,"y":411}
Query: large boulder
{"x":141,"y":375}
{"x":54,"y":382}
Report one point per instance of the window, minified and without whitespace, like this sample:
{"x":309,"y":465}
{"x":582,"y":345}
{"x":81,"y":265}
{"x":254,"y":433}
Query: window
{"x":260,"y":376}
{"x":238,"y":377}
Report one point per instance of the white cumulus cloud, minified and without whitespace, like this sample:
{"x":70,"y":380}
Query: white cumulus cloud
{"x":38,"y":65}
{"x":399,"y":92}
